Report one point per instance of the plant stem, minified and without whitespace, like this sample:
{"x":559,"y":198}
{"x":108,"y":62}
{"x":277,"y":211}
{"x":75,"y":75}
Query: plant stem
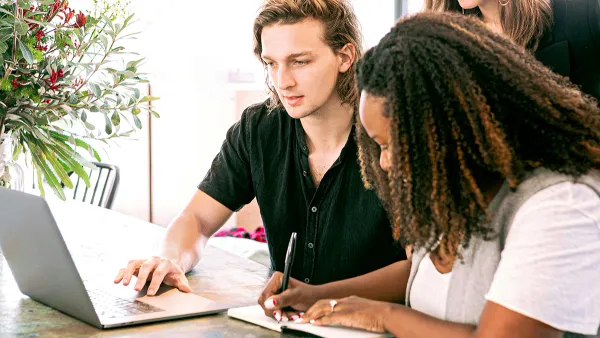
{"x":15,"y":37}
{"x":2,"y":124}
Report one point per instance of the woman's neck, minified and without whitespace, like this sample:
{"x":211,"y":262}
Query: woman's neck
{"x":490,"y":11}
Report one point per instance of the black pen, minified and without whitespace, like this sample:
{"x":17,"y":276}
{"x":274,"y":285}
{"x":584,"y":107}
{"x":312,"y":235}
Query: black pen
{"x":289,"y":261}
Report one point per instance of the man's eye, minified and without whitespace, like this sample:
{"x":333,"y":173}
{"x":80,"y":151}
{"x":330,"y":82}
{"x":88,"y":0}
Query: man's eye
{"x":301,"y":63}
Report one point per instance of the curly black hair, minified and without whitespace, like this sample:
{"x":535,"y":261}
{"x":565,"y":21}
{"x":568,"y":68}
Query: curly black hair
{"x":466,"y":107}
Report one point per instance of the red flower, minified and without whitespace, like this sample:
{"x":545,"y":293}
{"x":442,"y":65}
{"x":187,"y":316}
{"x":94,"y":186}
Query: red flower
{"x":53,"y":76}
{"x":69,"y":13}
{"x":80,"y":20}
{"x":40,"y":34}
{"x":60,"y":73}
{"x":15,"y":83}
{"x":47,"y":101}
{"x":52,"y":82}
{"x":55,"y":6}
{"x":41,"y":47}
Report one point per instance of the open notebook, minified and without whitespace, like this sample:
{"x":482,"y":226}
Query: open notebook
{"x":255,"y":315}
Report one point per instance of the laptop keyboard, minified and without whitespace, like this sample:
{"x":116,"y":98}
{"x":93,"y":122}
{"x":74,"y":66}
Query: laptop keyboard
{"x":111,"y":306}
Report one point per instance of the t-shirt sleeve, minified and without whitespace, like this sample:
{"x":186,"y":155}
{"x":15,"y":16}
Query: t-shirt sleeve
{"x":550,"y":266}
{"x":229,"y":179}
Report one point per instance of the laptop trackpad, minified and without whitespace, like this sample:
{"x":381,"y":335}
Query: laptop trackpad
{"x":167,"y":298}
{"x":171,"y":299}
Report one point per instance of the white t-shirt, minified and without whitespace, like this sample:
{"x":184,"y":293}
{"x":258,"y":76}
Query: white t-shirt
{"x":429,"y":291}
{"x":550,"y":266}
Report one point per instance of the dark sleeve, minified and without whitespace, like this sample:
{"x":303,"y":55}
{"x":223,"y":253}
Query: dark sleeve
{"x":229,"y":179}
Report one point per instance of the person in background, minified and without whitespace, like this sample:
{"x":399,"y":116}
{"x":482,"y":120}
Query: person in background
{"x":488,"y":163}
{"x":296,"y":154}
{"x":562,"y":34}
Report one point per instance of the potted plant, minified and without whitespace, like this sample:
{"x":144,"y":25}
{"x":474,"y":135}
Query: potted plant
{"x":60,"y":71}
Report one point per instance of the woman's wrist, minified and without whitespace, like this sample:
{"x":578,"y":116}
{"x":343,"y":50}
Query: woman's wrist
{"x":390,"y":313}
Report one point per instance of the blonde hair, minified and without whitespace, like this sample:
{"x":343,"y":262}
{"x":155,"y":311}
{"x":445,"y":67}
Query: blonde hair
{"x":341,"y":27}
{"x":524,"y":21}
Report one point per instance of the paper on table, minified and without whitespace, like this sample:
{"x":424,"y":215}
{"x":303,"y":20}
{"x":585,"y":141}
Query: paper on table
{"x":255,"y":315}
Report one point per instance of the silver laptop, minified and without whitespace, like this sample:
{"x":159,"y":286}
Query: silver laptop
{"x":44,"y":270}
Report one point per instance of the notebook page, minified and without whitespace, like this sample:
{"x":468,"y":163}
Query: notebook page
{"x":255,"y":315}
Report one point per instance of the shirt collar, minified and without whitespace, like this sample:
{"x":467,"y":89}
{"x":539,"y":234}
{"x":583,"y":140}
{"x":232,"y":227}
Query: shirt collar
{"x":301,"y":140}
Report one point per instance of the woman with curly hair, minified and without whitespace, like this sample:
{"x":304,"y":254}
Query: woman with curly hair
{"x":487,"y":163}
{"x":562,"y":34}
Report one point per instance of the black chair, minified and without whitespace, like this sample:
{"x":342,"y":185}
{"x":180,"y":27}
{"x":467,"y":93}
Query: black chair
{"x":109,"y":175}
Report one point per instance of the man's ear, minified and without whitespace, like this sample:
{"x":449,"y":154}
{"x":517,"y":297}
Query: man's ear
{"x":347,"y":57}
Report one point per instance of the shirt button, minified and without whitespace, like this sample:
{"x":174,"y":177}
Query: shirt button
{"x":313,"y":209}
{"x":310,"y":245}
{"x":304,"y":173}
{"x":306,"y":280}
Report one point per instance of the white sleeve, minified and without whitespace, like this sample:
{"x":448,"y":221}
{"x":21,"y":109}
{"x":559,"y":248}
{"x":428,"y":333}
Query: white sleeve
{"x":550,"y":266}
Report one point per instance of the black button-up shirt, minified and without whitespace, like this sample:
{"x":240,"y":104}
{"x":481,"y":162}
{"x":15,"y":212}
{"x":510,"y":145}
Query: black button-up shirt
{"x":343,"y":230}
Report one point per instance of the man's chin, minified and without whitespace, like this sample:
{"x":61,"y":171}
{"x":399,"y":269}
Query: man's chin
{"x":297,"y":112}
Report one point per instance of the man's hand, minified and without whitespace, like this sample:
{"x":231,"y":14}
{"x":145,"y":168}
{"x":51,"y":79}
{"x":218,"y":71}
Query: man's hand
{"x":156,"y":269}
{"x":298,"y":296}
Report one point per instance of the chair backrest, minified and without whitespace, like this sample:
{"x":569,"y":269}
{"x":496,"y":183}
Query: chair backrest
{"x":104,"y":182}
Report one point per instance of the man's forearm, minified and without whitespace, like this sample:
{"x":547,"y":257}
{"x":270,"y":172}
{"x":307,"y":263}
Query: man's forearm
{"x":386,"y":284}
{"x":184,"y":241}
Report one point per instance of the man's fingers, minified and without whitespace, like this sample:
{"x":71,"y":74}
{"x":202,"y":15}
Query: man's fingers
{"x":158,"y":275}
{"x":183,"y":284}
{"x":145,"y":270}
{"x":119,"y":276}
{"x":132,"y":266}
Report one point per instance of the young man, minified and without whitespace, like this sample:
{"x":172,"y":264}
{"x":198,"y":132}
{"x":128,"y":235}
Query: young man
{"x":295,"y":153}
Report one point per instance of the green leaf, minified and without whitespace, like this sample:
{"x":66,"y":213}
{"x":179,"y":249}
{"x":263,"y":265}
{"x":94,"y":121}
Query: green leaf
{"x":115,"y":118}
{"x":127,"y":20}
{"x":127,"y":73}
{"x":133,"y":64}
{"x":72,"y":140}
{"x":155,"y":114}
{"x":6,"y":12}
{"x":79,"y":143}
{"x":48,"y":174}
{"x":137,"y":122}
{"x":94,"y":109}
{"x":73,"y":99}
{"x":26,"y":52}
{"x":149,"y":98}
{"x":89,"y":126}
{"x":96,"y":89}
{"x":108,"y":127}
{"x":136,"y":110}
{"x":17,"y":152}
{"x":21,"y":26}
{"x":3,"y":47}
{"x":58,"y":169}
{"x":136,"y":93}
{"x":74,"y":160}
{"x":40,"y":184}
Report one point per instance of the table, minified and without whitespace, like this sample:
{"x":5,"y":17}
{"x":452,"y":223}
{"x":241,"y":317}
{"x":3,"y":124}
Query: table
{"x":101,"y":241}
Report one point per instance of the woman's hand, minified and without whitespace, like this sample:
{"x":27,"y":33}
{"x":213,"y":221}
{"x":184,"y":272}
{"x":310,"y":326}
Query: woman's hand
{"x":298,"y":296}
{"x":352,"y":312}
